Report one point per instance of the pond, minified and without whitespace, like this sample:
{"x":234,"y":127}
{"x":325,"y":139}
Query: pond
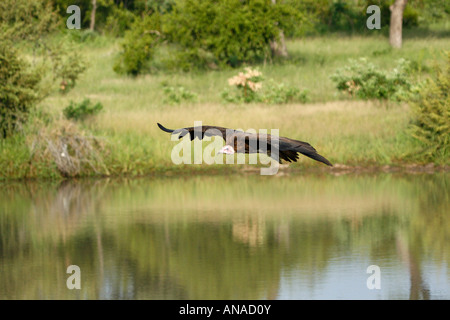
{"x":289,"y":236}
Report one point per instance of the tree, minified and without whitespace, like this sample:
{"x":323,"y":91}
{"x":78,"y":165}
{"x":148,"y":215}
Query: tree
{"x":233,"y":32}
{"x":94,"y":8}
{"x":395,"y":29}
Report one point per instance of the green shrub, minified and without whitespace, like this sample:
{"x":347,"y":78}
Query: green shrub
{"x":19,"y":90}
{"x":81,"y":111}
{"x":363,"y":80}
{"x":67,"y":66}
{"x":278,"y":93}
{"x":138,"y":46}
{"x":431,"y":122}
{"x":176,"y":95}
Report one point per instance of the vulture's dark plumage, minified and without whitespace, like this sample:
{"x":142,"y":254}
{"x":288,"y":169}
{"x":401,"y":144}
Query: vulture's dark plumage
{"x":243,"y":142}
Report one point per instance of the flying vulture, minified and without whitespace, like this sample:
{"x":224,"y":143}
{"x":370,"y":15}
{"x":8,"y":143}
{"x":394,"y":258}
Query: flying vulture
{"x":237,"y":141}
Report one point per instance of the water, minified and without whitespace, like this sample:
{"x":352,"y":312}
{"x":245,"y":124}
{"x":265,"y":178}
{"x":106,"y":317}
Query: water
{"x":297,"y":236}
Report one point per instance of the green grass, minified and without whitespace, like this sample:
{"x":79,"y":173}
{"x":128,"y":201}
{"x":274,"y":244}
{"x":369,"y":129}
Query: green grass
{"x":343,"y":130}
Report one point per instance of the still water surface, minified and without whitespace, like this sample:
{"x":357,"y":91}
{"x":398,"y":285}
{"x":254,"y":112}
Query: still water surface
{"x":297,"y":236}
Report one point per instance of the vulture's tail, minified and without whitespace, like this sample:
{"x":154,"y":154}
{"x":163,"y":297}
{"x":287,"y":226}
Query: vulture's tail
{"x":165,"y":129}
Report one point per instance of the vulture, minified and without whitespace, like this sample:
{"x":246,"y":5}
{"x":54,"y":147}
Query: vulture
{"x":237,"y":141}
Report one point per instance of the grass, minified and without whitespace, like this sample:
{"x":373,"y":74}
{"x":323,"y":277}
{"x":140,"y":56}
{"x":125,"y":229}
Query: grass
{"x":343,"y":130}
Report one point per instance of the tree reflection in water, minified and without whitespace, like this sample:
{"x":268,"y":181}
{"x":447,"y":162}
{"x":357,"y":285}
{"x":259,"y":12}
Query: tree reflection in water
{"x":221,"y":237}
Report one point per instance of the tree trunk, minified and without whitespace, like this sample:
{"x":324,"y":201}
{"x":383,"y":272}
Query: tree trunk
{"x":94,"y":8}
{"x":395,"y":29}
{"x":278,"y":48}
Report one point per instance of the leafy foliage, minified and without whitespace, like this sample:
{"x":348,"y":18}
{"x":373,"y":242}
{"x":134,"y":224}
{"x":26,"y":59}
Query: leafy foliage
{"x":81,"y":111}
{"x":138,"y":46}
{"x":431,"y":124}
{"x":67,"y":65}
{"x":18,"y":90}
{"x":363,"y":80}
{"x":433,"y":10}
{"x":233,"y":31}
{"x":26,"y":19}
{"x":119,"y":21}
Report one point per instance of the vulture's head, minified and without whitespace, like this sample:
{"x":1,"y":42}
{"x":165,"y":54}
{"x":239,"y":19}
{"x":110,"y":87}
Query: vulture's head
{"x":227,"y":150}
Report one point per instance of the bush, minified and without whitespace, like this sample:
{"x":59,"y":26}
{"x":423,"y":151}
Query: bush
{"x":431,"y":123}
{"x":67,"y":66}
{"x":73,"y":151}
{"x":247,"y":85}
{"x":250,"y":88}
{"x":119,"y":22}
{"x":81,"y":111}
{"x":19,"y":90}
{"x":278,"y":93}
{"x":234,"y":31}
{"x":26,"y":19}
{"x":364,"y":80}
{"x":138,"y":46}
{"x":176,"y":95}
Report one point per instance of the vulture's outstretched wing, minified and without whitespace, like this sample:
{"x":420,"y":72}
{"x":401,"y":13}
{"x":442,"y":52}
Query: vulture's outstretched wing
{"x":290,"y":148}
{"x":199,"y":132}
{"x":284,"y":149}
